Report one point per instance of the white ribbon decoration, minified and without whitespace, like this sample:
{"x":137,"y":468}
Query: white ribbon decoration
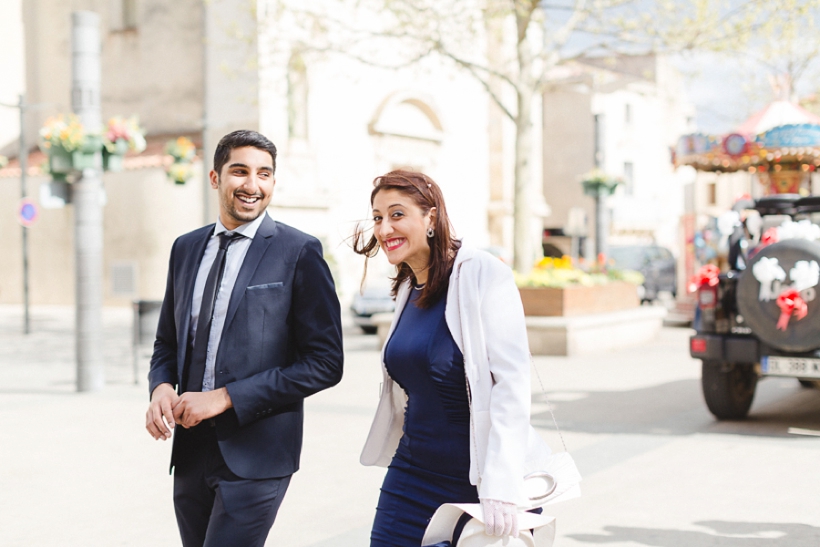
{"x":802,"y":229}
{"x":805,"y":274}
{"x":766,"y":271}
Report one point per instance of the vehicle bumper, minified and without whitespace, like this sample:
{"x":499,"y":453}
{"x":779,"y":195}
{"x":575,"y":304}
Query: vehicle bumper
{"x":730,"y":349}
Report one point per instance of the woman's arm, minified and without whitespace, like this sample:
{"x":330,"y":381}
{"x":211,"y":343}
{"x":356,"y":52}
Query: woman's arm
{"x":505,"y":334}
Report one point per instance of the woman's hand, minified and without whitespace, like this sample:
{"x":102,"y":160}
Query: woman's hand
{"x":500,"y":518}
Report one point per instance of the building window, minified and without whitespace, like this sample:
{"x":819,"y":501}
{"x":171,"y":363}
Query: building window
{"x":628,"y":114}
{"x":297,"y":98}
{"x":123,"y":15}
{"x":629,"y":177}
{"x":711,"y":193}
{"x":598,"y":158}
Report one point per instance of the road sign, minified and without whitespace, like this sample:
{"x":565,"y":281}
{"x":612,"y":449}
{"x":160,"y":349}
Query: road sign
{"x":27,"y":212}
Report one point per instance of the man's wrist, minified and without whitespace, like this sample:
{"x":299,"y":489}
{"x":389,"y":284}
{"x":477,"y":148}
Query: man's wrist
{"x":226,"y":398}
{"x":169,"y":386}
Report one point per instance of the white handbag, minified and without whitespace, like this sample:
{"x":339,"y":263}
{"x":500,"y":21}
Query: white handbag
{"x":557,"y":480}
{"x":536,"y":530}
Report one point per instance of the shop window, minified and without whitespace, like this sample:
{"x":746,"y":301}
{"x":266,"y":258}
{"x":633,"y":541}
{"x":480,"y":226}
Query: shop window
{"x":629,"y":177}
{"x":123,"y":14}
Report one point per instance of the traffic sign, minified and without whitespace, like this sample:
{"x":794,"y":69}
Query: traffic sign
{"x":27,"y":213}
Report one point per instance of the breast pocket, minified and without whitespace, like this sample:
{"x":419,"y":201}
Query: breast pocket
{"x":276,"y":285}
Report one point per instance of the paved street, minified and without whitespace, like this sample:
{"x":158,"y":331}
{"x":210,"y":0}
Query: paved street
{"x":80,"y":470}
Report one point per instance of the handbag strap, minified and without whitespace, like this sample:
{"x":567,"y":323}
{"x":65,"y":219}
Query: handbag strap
{"x":470,"y":393}
{"x":549,"y":404}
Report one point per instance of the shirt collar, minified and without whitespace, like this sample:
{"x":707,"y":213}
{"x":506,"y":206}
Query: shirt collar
{"x":248,"y":229}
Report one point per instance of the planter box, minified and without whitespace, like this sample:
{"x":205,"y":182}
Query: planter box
{"x":578,"y":299}
{"x":61,"y":161}
{"x":112,"y":162}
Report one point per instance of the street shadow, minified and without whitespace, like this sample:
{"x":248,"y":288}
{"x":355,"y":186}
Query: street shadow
{"x":678,"y":408}
{"x":724,"y":534}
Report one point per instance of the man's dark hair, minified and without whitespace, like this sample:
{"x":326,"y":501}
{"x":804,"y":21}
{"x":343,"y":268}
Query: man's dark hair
{"x":240,"y":139}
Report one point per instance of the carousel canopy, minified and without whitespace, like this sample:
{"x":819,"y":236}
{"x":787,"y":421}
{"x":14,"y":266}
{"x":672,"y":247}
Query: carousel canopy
{"x":776,"y":114}
{"x":782,"y":136}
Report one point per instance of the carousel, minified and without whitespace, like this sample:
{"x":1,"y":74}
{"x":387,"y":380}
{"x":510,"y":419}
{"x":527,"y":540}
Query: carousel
{"x":779,"y":146}
{"x":778,"y":149}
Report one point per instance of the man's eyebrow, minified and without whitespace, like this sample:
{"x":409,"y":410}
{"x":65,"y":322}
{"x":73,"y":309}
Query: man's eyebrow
{"x":239,"y":164}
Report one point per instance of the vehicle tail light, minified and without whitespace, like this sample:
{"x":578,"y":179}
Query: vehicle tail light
{"x":707,"y":297}
{"x":697,"y":345}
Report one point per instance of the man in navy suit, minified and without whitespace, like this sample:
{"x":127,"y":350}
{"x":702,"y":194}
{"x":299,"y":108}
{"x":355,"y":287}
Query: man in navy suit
{"x":249,"y":327}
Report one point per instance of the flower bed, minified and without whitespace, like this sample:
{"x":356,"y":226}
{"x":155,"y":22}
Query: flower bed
{"x":556,"y":287}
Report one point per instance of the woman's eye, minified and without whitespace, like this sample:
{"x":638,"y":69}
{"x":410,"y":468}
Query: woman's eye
{"x":397,"y":214}
{"x":377,"y":219}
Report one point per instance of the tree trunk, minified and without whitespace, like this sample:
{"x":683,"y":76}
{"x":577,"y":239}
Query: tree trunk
{"x":522,"y":214}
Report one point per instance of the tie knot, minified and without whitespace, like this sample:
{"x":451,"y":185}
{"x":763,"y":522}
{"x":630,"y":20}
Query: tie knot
{"x":226,"y":239}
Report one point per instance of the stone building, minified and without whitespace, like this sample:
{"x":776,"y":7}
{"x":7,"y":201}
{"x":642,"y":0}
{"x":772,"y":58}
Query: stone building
{"x":202,"y":69}
{"x":622,"y":115}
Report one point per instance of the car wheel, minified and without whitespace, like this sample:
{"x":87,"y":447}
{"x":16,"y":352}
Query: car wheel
{"x":368,"y":329}
{"x":728,"y":389}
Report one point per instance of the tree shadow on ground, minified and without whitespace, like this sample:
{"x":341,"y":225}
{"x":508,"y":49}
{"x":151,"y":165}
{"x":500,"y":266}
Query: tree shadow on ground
{"x":678,"y":408}
{"x":723,"y":534}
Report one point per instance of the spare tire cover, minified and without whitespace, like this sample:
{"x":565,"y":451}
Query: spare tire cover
{"x":757,"y":301}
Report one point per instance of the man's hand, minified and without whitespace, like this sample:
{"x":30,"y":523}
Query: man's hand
{"x":194,"y":406}
{"x":162,"y":400}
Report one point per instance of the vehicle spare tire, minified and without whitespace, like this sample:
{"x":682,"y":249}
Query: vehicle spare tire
{"x":758,"y":289}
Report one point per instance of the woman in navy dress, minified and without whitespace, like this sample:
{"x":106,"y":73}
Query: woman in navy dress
{"x":432,"y":462}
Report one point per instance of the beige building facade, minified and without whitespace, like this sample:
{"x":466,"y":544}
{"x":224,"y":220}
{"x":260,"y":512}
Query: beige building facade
{"x":623,"y":116}
{"x":203,"y":69}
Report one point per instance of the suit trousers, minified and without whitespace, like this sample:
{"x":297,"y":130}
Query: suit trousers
{"x":214,"y":507}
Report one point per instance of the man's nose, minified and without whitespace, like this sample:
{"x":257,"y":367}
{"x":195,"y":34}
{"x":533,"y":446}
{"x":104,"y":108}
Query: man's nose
{"x":251,"y":184}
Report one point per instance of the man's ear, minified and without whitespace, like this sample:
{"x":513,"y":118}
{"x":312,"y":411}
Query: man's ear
{"x":214,"y":179}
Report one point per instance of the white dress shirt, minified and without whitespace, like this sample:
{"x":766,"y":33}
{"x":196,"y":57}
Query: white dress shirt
{"x":233,"y":262}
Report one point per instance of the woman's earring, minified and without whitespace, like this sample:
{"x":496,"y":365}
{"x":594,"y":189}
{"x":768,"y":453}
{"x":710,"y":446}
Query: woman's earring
{"x":430,"y":232}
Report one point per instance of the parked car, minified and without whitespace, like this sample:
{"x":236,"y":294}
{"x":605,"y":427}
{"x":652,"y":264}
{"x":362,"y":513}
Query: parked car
{"x":761,"y":318}
{"x":368,"y":303}
{"x":655,"y":263}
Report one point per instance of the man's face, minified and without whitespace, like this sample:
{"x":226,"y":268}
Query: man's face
{"x":245,"y":186}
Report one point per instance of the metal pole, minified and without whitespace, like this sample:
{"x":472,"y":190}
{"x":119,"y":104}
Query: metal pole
{"x":87,"y":199}
{"x":23,"y":172}
{"x":206,"y":179}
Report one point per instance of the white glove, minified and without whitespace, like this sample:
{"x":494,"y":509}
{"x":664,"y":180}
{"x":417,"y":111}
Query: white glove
{"x":500,"y":518}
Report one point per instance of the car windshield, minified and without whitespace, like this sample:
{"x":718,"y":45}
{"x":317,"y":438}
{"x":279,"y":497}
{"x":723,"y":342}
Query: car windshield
{"x":630,"y":258}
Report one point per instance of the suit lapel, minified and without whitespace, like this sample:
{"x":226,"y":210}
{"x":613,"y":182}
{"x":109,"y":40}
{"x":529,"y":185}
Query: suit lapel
{"x":189,"y":273}
{"x":256,"y":251}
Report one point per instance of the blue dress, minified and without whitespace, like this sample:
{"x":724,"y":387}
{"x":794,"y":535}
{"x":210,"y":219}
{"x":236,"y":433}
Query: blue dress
{"x":432,"y":463}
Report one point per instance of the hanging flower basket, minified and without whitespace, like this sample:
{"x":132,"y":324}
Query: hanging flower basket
{"x":180,"y":173}
{"x":68,"y":161}
{"x":597,"y":183}
{"x":122,"y":135}
{"x":183,"y":151}
{"x":69,"y":147}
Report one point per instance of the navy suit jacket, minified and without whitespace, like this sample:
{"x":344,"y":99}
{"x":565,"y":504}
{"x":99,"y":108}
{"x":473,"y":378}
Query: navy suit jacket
{"x":282,"y":341}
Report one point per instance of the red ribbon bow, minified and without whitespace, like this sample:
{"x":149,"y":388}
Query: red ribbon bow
{"x":707,"y":275}
{"x":769,"y":236}
{"x":790,"y":302}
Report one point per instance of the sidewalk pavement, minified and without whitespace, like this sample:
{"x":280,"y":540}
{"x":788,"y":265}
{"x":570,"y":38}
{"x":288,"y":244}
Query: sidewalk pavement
{"x":79,"y":469}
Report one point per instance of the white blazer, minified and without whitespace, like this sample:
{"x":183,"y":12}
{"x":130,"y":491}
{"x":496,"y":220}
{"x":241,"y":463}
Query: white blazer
{"x":486,"y":319}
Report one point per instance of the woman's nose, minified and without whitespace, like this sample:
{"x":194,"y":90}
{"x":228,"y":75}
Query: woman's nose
{"x":385,"y":229}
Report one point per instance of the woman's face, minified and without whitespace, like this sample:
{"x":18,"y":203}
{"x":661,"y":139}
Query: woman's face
{"x":401,"y":228}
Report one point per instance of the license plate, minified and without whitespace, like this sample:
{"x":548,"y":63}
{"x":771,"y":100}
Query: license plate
{"x":800,"y":367}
